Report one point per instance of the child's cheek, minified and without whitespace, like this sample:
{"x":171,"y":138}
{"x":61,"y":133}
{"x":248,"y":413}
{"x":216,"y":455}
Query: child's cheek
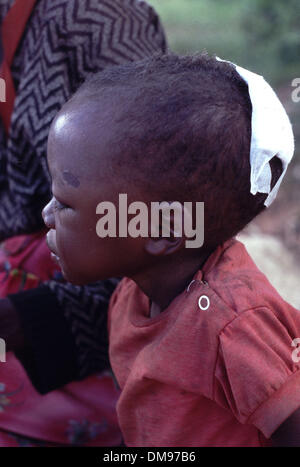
{"x":71,"y":241}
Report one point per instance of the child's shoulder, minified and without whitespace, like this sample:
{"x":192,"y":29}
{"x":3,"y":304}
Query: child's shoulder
{"x":233,"y":275}
{"x":247,"y":305}
{"x":229,"y":286}
{"x":228,"y":325}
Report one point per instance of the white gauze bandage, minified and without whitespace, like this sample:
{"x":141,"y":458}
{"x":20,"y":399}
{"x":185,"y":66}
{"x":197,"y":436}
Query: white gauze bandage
{"x":271,"y":134}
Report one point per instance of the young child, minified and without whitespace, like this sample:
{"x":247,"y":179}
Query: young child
{"x":200,"y":342}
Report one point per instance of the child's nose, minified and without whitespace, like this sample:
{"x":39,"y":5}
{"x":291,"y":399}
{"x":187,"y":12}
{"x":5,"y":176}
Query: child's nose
{"x":48,"y":215}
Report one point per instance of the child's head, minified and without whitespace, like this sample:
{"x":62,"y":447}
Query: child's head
{"x":165,"y":129}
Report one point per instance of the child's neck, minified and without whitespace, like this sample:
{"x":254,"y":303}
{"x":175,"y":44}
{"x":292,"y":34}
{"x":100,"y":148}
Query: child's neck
{"x":163,"y":282}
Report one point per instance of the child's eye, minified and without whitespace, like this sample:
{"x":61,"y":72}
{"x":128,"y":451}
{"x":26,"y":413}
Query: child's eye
{"x":58,"y":206}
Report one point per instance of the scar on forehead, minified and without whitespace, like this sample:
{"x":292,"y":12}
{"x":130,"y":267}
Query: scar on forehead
{"x":71,"y":179}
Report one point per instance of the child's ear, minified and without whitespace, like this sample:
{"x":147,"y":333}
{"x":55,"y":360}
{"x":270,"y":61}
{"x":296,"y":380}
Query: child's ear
{"x":166,"y":237}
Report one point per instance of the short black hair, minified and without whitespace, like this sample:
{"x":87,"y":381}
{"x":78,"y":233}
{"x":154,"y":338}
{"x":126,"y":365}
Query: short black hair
{"x":186,"y":135}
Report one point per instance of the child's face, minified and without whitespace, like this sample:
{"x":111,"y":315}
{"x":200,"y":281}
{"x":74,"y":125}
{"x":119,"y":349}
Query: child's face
{"x":78,"y":158}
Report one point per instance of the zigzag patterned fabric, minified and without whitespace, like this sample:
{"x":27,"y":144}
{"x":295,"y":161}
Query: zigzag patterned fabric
{"x":64,"y":41}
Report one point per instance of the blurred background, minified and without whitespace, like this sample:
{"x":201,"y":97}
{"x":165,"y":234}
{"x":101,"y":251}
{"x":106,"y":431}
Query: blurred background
{"x":263,"y":36}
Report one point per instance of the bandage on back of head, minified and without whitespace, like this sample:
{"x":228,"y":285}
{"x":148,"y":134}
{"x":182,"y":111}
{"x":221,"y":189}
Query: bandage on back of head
{"x":271,"y":134}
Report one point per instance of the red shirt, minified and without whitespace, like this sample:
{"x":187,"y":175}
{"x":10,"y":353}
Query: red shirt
{"x":218,"y":373}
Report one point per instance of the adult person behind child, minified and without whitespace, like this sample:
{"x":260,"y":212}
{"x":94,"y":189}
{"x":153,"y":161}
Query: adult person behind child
{"x":57,"y":330}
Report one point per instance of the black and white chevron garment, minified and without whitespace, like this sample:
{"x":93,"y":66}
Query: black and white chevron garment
{"x":63,"y":42}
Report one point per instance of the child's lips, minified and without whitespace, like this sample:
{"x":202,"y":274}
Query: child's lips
{"x":54,"y":255}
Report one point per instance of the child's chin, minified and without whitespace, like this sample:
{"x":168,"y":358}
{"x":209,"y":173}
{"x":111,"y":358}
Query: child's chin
{"x":71,"y":277}
{"x":78,"y":278}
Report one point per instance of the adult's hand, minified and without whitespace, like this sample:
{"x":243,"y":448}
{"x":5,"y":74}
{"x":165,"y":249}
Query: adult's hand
{"x":10,"y":326}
